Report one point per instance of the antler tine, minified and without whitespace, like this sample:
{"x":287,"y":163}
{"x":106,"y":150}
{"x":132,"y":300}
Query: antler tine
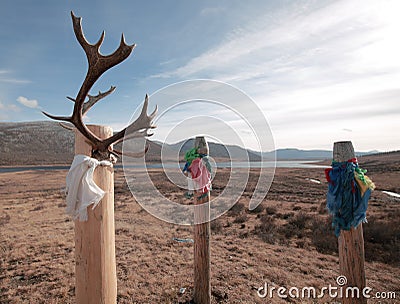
{"x":144,"y":121}
{"x":144,"y":110}
{"x":92,"y":50}
{"x":66,"y":126}
{"x":93,"y":99}
{"x":137,"y":134}
{"x":101,"y":39}
{"x":63,"y":118}
{"x":120,"y":54}
{"x":76,"y":22}
{"x":143,"y":116}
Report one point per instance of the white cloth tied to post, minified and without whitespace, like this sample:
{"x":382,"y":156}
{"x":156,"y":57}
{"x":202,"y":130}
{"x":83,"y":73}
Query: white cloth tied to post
{"x":82,"y":191}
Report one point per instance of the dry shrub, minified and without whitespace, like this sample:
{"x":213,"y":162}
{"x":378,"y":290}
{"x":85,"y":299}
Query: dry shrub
{"x":38,"y":207}
{"x":296,"y":225}
{"x":300,"y":220}
{"x":301,"y":244}
{"x":313,"y":208}
{"x":241,"y":218}
{"x":219,"y":295}
{"x":4,"y":219}
{"x":216,"y":226}
{"x":122,"y":230}
{"x":267,"y":230}
{"x":284,"y":216}
{"x":244,"y":234}
{"x":323,"y":236}
{"x":236,"y":209}
{"x":270,"y":210}
{"x":257,"y":210}
{"x":289,"y":231}
{"x":382,"y":240}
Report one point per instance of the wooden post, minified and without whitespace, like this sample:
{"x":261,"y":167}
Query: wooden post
{"x":95,"y":264}
{"x":202,"y":285}
{"x":351,"y":243}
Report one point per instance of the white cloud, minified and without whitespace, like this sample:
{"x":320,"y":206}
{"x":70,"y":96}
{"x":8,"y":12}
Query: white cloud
{"x":211,"y":11}
{"x":4,"y":78}
{"x":6,"y":108}
{"x":15,"y":81}
{"x":30,"y":103}
{"x":325,"y":43}
{"x":9,"y":107}
{"x":13,"y":108}
{"x":305,"y":45}
{"x":317,"y":69}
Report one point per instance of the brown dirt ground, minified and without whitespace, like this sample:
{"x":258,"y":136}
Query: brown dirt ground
{"x":37,"y":241}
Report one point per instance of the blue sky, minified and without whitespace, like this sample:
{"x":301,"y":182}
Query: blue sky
{"x":320,"y":71}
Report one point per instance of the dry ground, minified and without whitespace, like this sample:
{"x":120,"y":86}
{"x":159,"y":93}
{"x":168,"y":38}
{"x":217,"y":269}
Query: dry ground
{"x":286,"y":241}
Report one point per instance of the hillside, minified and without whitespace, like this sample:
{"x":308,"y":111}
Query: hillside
{"x":293,"y":153}
{"x":35,"y":143}
{"x":47,"y":143}
{"x":216,"y":150}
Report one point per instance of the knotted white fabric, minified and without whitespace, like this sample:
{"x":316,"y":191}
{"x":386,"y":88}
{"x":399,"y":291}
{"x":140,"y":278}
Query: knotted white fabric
{"x":82,"y":191}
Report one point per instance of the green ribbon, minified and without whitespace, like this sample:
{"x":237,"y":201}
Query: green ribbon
{"x":191,"y":155}
{"x":361,"y":175}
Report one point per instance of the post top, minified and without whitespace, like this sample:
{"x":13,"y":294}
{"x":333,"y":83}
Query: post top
{"x":343,"y":151}
{"x":201,"y":144}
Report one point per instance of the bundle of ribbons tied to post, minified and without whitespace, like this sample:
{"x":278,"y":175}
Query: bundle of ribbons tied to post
{"x":349,"y":190}
{"x":198,"y":169}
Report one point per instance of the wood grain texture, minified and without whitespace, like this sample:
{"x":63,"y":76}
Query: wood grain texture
{"x":95,"y":263}
{"x":351,"y":243}
{"x":202,"y":285}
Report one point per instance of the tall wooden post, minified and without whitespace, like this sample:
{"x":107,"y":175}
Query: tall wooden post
{"x":95,"y":264}
{"x":351,"y":243}
{"x":202,"y":285}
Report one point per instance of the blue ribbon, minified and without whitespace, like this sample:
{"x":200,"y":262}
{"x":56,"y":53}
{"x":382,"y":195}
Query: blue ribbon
{"x":344,"y":200}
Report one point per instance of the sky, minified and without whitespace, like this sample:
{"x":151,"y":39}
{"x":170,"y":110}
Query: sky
{"x":319,"y":71}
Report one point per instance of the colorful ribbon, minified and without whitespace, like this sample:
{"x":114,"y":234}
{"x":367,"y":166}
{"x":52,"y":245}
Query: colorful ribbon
{"x":349,"y":190}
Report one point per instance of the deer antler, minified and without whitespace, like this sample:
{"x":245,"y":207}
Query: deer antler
{"x":93,"y":99}
{"x":98,"y":64}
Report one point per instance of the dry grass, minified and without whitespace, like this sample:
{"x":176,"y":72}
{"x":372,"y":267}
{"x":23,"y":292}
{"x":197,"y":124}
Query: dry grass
{"x":286,"y":241}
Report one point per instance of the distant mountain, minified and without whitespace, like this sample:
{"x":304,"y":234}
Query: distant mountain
{"x":35,"y":143}
{"x":297,"y":154}
{"x":292,"y":153}
{"x":46,"y":143}
{"x":217,"y":150}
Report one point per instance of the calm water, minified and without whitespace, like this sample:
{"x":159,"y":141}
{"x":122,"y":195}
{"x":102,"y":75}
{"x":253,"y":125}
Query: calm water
{"x":269,"y":164}
{"x":35,"y":168}
{"x":279,"y":164}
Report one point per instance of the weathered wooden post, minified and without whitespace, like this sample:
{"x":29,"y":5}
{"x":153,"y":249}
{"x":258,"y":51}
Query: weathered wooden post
{"x":202,"y":285}
{"x":96,"y":280}
{"x":351,"y":243}
{"x":95,"y":264}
